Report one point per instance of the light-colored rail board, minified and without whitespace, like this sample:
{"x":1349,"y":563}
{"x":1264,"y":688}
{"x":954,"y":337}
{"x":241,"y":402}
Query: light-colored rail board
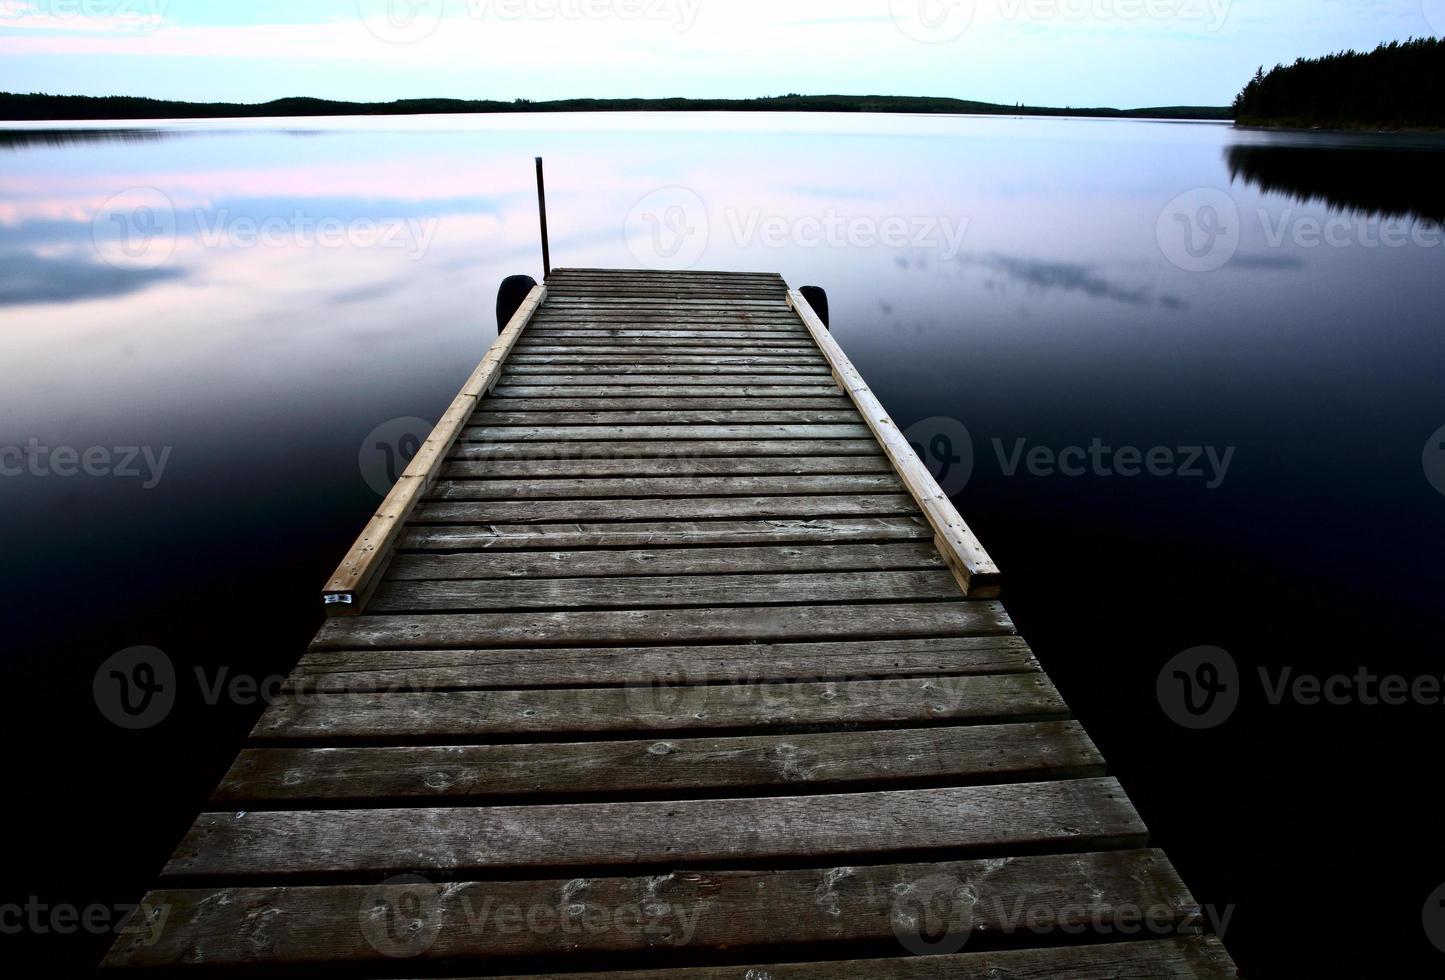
{"x":360,"y":571}
{"x":668,"y":620}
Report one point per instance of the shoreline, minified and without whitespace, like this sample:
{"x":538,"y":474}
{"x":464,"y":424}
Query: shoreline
{"x":36,"y":107}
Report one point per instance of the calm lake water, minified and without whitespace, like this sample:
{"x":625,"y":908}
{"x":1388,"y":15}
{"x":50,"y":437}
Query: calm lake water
{"x":1255,"y":319}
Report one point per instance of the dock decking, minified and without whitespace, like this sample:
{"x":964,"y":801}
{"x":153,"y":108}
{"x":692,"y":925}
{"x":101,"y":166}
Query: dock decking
{"x":668,"y":654}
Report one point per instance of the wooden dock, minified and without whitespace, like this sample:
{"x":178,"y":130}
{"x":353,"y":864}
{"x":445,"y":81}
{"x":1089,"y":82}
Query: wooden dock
{"x":668,"y":658}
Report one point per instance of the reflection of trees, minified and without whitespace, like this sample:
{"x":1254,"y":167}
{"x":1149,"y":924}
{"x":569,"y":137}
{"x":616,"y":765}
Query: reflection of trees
{"x":15,"y":139}
{"x":1379,"y":180}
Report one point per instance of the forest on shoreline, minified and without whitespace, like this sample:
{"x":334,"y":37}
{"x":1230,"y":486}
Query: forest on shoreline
{"x":37,"y":107}
{"x":1400,"y":85}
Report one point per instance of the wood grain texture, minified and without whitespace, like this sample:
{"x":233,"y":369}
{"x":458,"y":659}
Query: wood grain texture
{"x":1054,"y":750}
{"x":361,"y":569}
{"x":638,"y":562}
{"x":658,"y":705}
{"x":663,"y":591}
{"x":570,"y":415}
{"x":645,"y":534}
{"x":1076,"y":813}
{"x":696,"y":467}
{"x":977,"y":573}
{"x":721,"y":625}
{"x":699,"y":910}
{"x":636,"y":488}
{"x":677,"y":509}
{"x":1183,"y":958}
{"x":672,"y":433}
{"x":679,"y":449}
{"x":750,"y":663}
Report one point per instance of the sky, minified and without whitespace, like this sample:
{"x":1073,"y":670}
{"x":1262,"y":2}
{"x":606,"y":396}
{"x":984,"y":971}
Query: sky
{"x":1126,"y":53}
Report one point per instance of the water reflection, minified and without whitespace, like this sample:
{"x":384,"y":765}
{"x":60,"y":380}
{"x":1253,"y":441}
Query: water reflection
{"x":33,"y":278}
{"x":1369,"y":180}
{"x":1068,"y":277}
{"x":17,"y":139}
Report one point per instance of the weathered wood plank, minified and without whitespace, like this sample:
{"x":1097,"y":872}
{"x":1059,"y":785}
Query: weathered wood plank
{"x":658,"y":707}
{"x":1182,"y":958}
{"x":1032,"y":752}
{"x":696,"y":467}
{"x":361,"y":569}
{"x":666,"y":534}
{"x":679,"y":450}
{"x":663,"y":591}
{"x":637,"y":433}
{"x":718,"y":401}
{"x":667,"y":350}
{"x":522,"y":366}
{"x":699,"y":910}
{"x":748,"y":343}
{"x":559,"y":415}
{"x":721,"y":486}
{"x":664,"y":561}
{"x":723,"y":625}
{"x":590,"y":361}
{"x":976,"y":571}
{"x":1075,"y":813}
{"x":650,"y":509}
{"x":581,"y":302}
{"x":750,"y":663}
{"x":514,"y":389}
{"x":570,"y":336}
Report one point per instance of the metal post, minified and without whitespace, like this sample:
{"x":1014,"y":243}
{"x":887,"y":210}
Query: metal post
{"x":542,"y":208}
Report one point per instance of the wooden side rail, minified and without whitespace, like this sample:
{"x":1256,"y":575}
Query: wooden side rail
{"x":975,"y":571}
{"x":360,"y":571}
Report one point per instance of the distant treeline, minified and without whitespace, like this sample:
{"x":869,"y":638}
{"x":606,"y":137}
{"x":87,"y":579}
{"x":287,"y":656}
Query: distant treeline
{"x":53,"y":107}
{"x":1400,"y":85}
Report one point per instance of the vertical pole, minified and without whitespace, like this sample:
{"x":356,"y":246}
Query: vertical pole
{"x":542,"y":208}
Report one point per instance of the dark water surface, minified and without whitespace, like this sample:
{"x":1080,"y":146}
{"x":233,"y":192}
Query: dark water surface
{"x":250,"y":304}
